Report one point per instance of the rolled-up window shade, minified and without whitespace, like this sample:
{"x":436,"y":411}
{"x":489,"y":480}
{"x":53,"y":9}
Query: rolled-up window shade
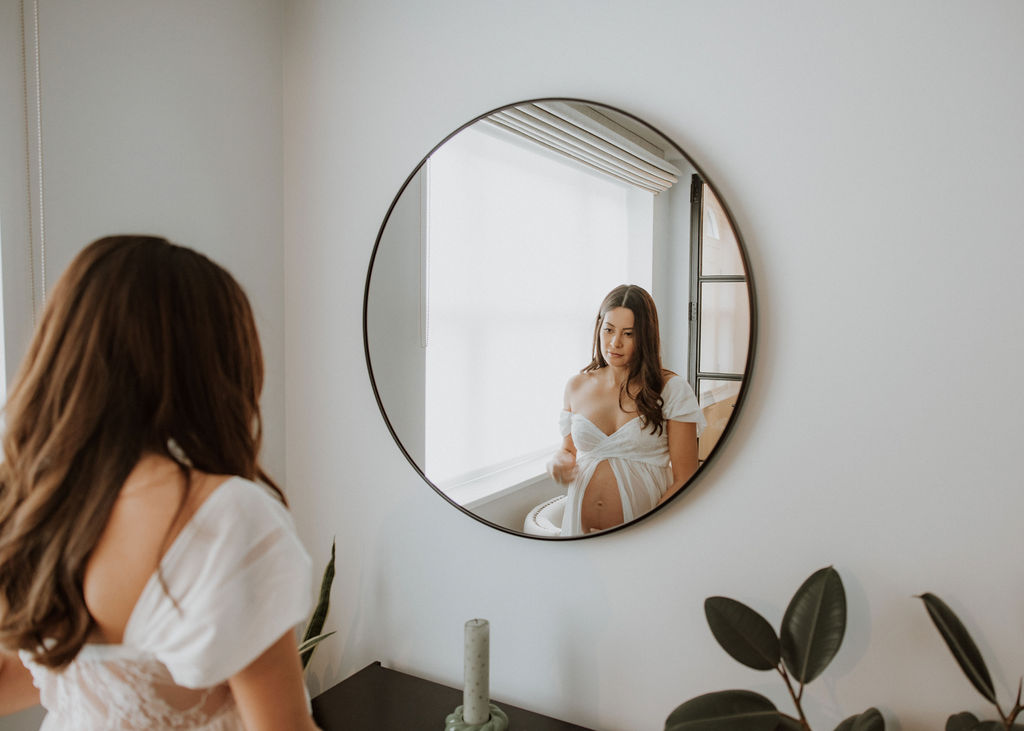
{"x":591,"y":139}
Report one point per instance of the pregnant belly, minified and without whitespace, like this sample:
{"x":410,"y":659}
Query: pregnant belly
{"x":601,"y":505}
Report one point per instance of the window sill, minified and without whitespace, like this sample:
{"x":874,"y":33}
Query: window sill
{"x":479,"y":488}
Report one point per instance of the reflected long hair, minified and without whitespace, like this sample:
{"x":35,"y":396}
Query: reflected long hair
{"x":144,"y":346}
{"x":646,"y":376}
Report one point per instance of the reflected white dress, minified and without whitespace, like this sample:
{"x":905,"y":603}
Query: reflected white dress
{"x":638,"y":459}
{"x":241,"y":578}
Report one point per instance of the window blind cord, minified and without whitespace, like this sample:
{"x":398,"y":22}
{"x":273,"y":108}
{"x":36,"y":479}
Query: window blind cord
{"x":39,"y":158}
{"x":37,"y":295}
{"x":28,"y":162}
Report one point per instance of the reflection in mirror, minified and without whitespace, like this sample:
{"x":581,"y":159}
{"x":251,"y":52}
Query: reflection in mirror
{"x":487,"y":276}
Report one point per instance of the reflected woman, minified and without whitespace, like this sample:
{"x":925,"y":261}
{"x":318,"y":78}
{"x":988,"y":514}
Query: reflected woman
{"x":629,"y":426}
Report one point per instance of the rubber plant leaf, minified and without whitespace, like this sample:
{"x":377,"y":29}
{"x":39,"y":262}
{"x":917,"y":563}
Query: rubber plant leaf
{"x":315,"y":626}
{"x":725,"y":710}
{"x":813,"y":625}
{"x":961,"y":722}
{"x":743,"y":633}
{"x":870,"y":720}
{"x":959,"y":641}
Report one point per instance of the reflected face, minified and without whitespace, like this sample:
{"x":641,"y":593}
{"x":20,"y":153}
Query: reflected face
{"x":617,"y":344}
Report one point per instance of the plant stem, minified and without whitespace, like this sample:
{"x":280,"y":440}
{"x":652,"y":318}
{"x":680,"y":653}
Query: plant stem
{"x":1017,"y":708}
{"x":1002,"y":716}
{"x":1014,"y":712}
{"x":795,"y":696}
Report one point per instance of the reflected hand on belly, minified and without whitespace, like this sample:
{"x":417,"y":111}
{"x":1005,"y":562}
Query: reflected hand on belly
{"x":562,"y":468}
{"x":602,"y":505}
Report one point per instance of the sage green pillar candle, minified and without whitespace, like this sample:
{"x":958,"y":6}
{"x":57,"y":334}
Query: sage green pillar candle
{"x":476,"y":694}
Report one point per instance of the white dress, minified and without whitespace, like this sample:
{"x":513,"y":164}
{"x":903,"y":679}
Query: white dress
{"x":638,"y":459}
{"x":241,"y":578}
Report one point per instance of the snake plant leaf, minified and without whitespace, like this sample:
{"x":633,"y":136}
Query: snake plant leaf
{"x":724,"y":710}
{"x":314,"y":641}
{"x":870,"y":720}
{"x":963,"y":721}
{"x":813,"y":625}
{"x":315,"y":626}
{"x":743,"y":633}
{"x":959,"y":641}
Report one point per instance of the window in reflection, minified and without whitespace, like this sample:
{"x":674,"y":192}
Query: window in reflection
{"x":522,"y":246}
{"x":719,"y":312}
{"x":724,"y":327}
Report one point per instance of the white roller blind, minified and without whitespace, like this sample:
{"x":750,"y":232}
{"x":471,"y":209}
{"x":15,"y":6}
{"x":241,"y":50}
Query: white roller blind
{"x":588,"y":137}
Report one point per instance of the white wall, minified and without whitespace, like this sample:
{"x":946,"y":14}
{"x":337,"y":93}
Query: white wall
{"x":872,"y":155}
{"x":671,"y":268}
{"x":14,"y":187}
{"x":157,"y":118}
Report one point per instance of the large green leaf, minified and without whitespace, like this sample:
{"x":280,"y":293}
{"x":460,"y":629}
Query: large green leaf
{"x":724,"y":710}
{"x":743,"y":633}
{"x":870,"y":720}
{"x":959,"y":641}
{"x":813,"y":625}
{"x":961,"y":722}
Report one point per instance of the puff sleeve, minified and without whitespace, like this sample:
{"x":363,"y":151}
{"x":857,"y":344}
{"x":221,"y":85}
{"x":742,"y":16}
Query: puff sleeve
{"x":680,"y":403}
{"x":565,"y":422}
{"x":240,"y":578}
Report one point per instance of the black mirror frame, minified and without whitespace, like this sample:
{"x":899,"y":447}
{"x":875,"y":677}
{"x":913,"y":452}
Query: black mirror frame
{"x":751,"y":344}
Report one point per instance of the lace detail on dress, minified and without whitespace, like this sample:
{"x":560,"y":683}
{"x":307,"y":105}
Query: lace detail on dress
{"x":129,"y":694}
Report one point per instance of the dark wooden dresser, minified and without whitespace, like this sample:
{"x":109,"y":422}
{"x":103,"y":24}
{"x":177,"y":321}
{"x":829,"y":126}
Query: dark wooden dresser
{"x":379,"y":699}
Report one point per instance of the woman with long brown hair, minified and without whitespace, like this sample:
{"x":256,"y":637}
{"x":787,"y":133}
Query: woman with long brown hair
{"x":150,"y":574}
{"x":629,"y":427}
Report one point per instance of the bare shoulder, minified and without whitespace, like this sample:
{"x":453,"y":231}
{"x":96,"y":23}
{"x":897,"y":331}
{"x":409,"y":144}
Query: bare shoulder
{"x":579,"y":385}
{"x":577,"y":381}
{"x":146,"y":517}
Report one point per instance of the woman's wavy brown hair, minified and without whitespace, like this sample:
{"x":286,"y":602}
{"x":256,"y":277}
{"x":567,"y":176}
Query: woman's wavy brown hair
{"x":143,"y":345}
{"x":646,"y":376}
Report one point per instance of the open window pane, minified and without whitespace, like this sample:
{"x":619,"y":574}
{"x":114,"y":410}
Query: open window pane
{"x":724,"y":327}
{"x":720,"y":251}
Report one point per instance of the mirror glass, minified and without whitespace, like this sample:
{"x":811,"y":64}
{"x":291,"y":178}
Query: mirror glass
{"x":484,"y":288}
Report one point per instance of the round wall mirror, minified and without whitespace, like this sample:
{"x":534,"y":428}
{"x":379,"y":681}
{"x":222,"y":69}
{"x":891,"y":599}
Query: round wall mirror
{"x":483,"y":293}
